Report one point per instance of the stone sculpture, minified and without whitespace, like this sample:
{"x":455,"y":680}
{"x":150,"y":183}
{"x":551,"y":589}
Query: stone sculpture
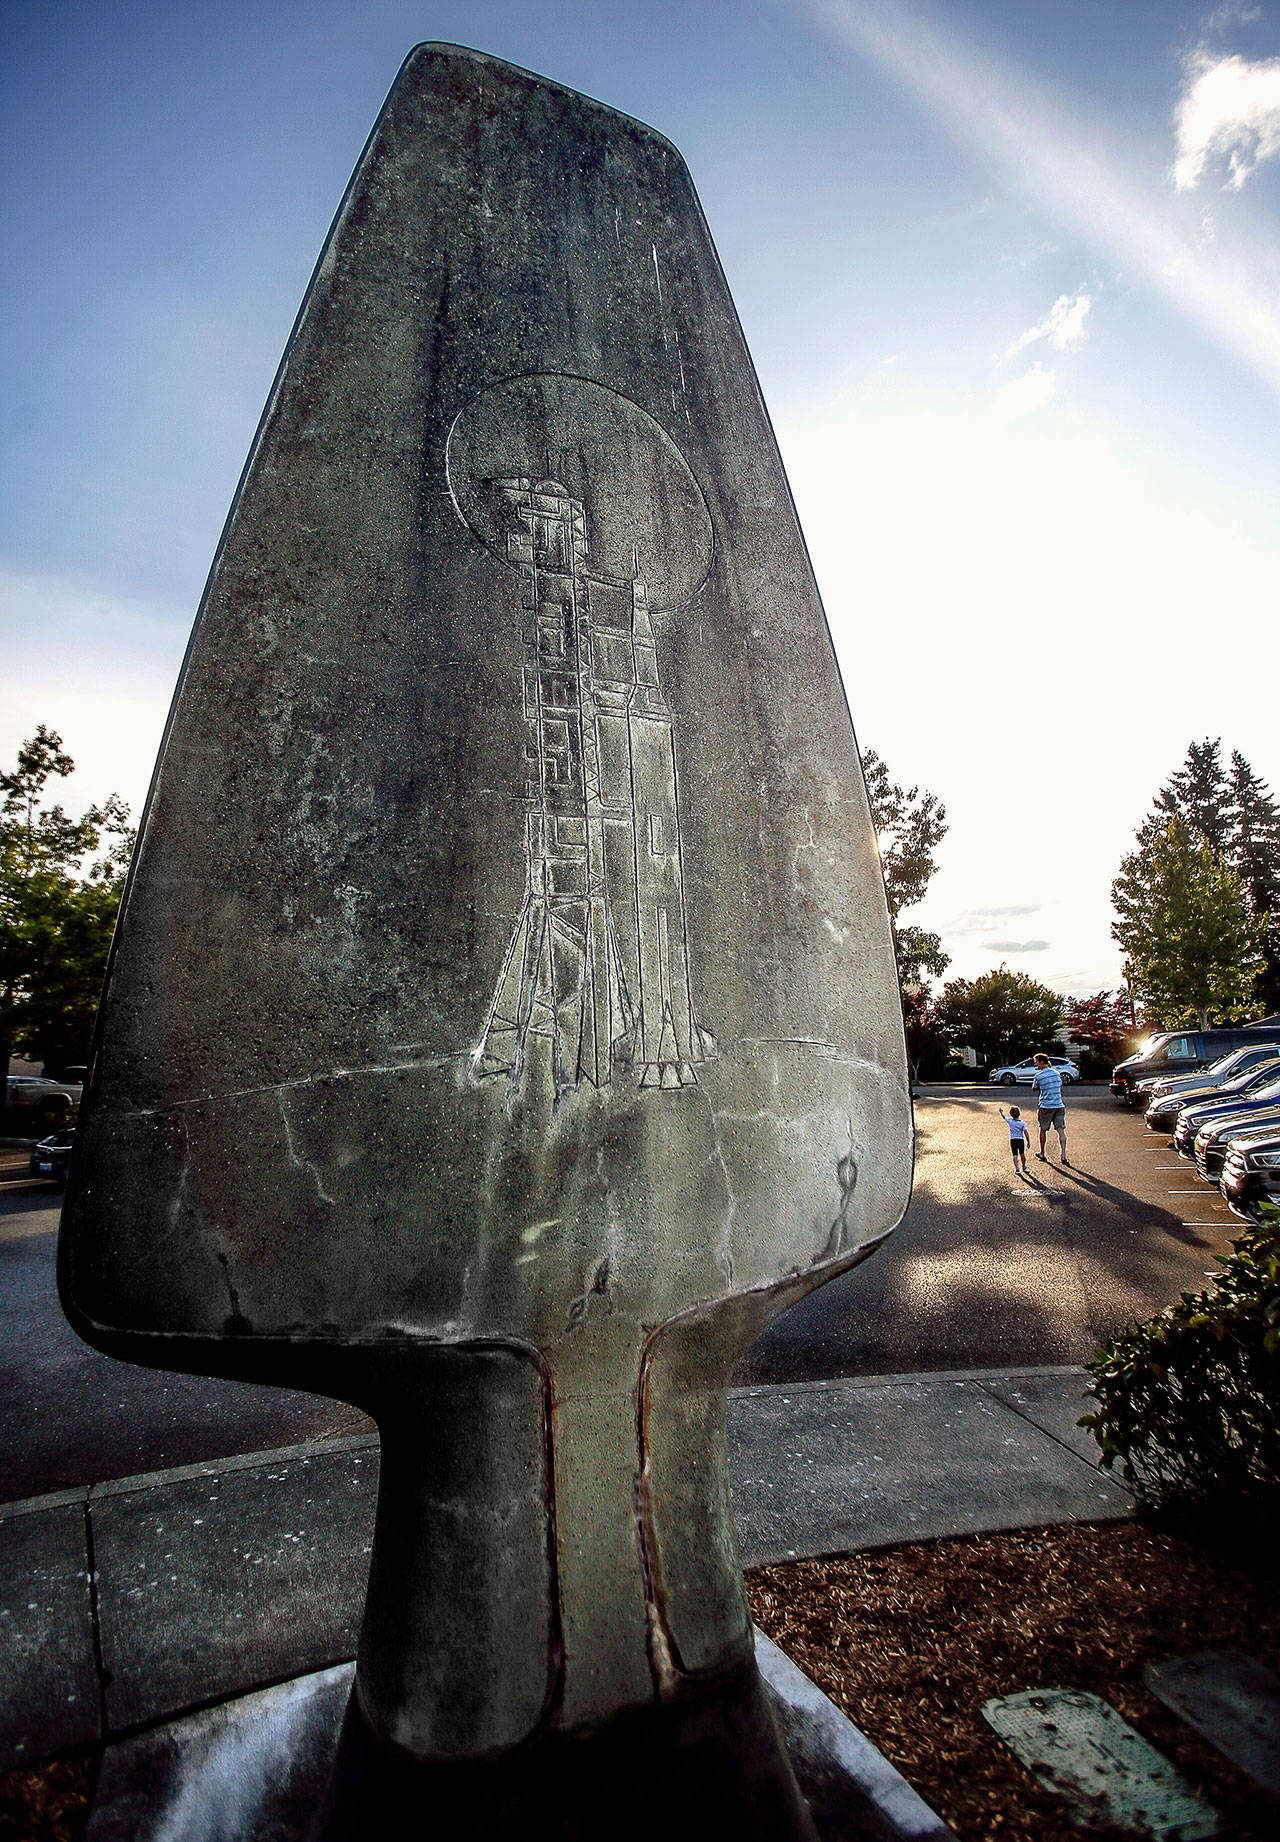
{"x":502,"y":1023}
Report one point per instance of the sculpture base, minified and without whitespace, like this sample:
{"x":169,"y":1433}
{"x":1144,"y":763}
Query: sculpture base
{"x":706,"y":1764}
{"x":254,"y":1770}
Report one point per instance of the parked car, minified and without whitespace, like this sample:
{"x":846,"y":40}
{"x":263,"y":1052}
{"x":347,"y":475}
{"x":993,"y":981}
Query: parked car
{"x":1251,"y":1175}
{"x":1179,"y":1052}
{"x":51,"y":1156}
{"x":1162,"y":1114}
{"x":45,"y":1103}
{"x":1235,"y":1062}
{"x":1215,"y":1138}
{"x":1009,"y":1072}
{"x":1211,"y":1111}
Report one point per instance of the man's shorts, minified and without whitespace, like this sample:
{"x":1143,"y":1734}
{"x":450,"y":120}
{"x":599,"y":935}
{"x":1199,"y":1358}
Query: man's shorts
{"x":1055,"y":1116}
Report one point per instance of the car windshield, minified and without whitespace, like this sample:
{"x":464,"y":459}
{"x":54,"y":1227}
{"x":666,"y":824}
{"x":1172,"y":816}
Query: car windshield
{"x":1256,"y":1076}
{"x":1271,"y":1091}
{"x":1225,"y":1063}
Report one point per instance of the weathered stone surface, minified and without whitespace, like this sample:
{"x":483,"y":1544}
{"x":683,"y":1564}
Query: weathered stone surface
{"x":505,"y":978}
{"x":48,"y":1684}
{"x":250,"y":1770}
{"x":253,"y":1769}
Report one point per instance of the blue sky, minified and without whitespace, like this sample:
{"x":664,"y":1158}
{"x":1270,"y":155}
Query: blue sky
{"x":1010,"y":274}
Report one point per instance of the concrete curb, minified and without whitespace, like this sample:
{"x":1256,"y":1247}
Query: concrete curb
{"x":133,"y":1601}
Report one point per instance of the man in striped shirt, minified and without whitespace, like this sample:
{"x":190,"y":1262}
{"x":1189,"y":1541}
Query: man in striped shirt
{"x":1050,"y":1110}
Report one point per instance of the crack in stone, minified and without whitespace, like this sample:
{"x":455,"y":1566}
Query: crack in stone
{"x":426,"y":1065}
{"x":297,"y":1162}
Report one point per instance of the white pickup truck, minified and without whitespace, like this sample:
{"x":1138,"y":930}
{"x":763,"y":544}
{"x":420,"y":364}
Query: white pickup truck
{"x":42,"y":1103}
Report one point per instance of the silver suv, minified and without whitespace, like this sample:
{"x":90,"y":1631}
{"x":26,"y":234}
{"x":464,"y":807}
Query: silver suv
{"x":41,"y":1102}
{"x":1009,"y":1072}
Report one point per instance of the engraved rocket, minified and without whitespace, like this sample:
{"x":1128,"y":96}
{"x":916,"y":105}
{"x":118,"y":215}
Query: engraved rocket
{"x":598,"y":961}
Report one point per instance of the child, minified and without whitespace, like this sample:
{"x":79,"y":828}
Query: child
{"x":1017,"y":1136}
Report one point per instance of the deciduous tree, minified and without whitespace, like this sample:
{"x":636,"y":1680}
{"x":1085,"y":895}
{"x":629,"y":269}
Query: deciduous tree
{"x":1001,"y":1016}
{"x":56,"y":912}
{"x":926,"y":1040}
{"x":910,"y":824}
{"x":1100,"y":1024}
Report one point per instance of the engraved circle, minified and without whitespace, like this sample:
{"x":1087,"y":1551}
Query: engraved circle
{"x":645,"y":512}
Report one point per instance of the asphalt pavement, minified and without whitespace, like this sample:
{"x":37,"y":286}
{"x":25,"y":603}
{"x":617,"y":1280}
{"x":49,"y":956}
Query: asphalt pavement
{"x":987,"y":1271}
{"x":73,"y":1417}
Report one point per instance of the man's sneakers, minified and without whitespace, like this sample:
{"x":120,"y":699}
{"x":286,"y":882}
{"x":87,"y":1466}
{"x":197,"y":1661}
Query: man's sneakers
{"x":1065,"y":1158}
{"x":1042,"y":1157}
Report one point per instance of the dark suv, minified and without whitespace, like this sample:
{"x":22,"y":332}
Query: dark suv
{"x":1176,"y":1052}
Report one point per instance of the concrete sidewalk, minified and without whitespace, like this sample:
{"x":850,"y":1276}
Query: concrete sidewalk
{"x":131,"y":1602}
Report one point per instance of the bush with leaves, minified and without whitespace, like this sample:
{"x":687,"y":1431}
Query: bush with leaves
{"x":1188,"y":1404}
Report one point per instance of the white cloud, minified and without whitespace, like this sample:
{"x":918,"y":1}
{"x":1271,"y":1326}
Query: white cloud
{"x":1229,"y":109}
{"x":1063,"y":325}
{"x":1225,"y":18}
{"x":1022,"y":396}
{"x":1073,"y":170}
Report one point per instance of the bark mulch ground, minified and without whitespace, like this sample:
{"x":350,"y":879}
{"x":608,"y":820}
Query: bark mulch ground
{"x":911,"y":1642}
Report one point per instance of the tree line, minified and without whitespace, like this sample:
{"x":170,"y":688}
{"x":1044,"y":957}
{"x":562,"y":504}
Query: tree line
{"x":1197,"y":904}
{"x":61,"y":879}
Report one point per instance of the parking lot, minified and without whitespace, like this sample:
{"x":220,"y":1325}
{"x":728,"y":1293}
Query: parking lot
{"x":987,"y":1271}
{"x":990,"y":1271}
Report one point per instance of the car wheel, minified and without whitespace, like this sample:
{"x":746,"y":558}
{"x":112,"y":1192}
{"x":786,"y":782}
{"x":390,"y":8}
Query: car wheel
{"x":1007,"y":1080}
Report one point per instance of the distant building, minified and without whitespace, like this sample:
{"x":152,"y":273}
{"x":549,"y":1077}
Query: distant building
{"x":598,"y":962}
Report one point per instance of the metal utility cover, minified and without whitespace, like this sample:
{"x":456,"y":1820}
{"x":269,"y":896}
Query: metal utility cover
{"x":1083,"y":1751}
{"x":1233,"y":1701}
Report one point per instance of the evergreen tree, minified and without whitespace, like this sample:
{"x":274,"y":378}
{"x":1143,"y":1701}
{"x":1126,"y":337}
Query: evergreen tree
{"x":1190,"y":947}
{"x":1199,"y":794}
{"x":1255,"y":858}
{"x":909,"y":827}
{"x":1233,"y":816}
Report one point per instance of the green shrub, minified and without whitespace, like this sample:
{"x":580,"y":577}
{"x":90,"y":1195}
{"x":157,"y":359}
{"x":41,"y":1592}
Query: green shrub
{"x":1188,"y":1404}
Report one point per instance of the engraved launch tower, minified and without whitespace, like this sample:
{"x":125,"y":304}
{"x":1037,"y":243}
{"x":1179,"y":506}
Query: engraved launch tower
{"x":598,"y":962}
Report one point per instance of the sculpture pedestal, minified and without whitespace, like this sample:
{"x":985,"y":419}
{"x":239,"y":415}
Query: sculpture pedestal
{"x":502,"y":1022}
{"x":253,"y":1770}
{"x":707,"y":1764}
